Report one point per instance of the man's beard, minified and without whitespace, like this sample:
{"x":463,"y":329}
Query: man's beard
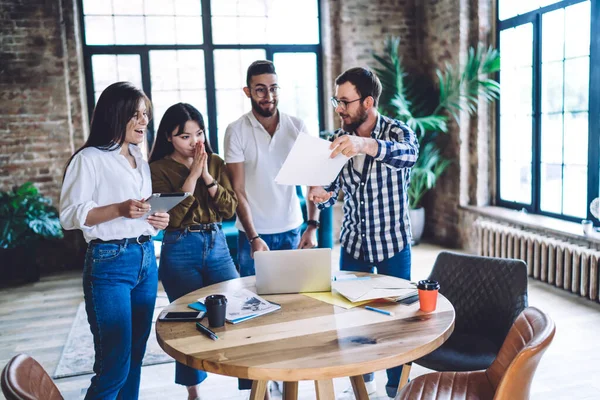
{"x":355,"y":123}
{"x":261,"y":111}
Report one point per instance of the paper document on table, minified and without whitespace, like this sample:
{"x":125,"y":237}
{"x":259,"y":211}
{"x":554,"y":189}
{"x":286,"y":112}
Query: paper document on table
{"x":308,"y":163}
{"x":377,"y":288}
{"x":335,"y":298}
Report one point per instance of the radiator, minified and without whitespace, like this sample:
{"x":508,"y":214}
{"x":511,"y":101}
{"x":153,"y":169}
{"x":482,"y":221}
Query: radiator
{"x":565,"y":265}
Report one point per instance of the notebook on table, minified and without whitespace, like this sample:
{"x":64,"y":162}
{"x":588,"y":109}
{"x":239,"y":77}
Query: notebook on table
{"x":293,"y":271}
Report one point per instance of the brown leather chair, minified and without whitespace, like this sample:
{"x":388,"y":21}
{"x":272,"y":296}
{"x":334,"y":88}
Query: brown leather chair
{"x":23,"y":378}
{"x":508,"y":378}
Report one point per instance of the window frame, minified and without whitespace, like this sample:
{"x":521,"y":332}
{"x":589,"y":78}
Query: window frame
{"x":535,"y":18}
{"x":208,"y":47}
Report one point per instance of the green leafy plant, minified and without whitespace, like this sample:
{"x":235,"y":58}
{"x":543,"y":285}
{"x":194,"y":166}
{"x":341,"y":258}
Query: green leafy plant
{"x":25,"y":216}
{"x":426,"y":110}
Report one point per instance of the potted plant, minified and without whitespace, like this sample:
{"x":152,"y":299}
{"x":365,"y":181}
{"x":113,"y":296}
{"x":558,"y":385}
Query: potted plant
{"x":426,"y":110}
{"x":26,"y":217}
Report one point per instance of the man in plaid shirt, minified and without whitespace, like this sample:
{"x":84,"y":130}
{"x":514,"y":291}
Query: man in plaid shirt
{"x":376,"y":226}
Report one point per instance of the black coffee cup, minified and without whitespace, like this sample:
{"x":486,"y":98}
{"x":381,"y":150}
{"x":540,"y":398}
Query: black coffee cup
{"x":216,"y":305}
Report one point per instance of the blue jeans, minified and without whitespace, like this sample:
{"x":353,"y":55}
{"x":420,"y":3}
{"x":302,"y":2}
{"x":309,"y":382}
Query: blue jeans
{"x":277,"y":241}
{"x":119,"y":285}
{"x":398,"y":266}
{"x":190,"y":261}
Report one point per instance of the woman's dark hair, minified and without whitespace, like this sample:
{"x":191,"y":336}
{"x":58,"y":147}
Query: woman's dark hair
{"x":175,"y":118}
{"x":116,"y":106}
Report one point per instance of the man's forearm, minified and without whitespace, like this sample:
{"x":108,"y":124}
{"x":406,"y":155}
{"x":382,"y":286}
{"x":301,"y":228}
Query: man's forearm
{"x":245,"y":215}
{"x":313,"y":211}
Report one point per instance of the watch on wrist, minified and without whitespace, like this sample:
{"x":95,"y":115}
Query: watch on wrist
{"x":213,"y":183}
{"x":312,"y":222}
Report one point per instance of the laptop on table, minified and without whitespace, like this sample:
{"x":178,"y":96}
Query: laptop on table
{"x":293,"y":271}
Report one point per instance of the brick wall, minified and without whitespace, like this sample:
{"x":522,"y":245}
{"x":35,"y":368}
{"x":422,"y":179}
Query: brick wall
{"x":40,"y":93}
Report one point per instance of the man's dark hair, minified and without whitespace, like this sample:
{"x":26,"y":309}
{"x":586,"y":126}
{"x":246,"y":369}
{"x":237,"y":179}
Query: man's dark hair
{"x":258,"y":68}
{"x":364,"y":80}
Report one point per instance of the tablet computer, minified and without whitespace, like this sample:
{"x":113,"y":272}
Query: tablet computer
{"x":163,"y":202}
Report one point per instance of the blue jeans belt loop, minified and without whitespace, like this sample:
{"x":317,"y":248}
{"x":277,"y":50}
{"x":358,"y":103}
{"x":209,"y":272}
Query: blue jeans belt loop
{"x":212,"y":226}
{"x":139,"y":240}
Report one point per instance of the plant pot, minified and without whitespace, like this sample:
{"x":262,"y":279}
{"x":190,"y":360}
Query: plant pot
{"x":19,"y":264}
{"x":417,"y":224}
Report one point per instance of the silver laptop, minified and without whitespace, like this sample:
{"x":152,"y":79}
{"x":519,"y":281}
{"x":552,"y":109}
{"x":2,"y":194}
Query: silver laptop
{"x":293,"y":271}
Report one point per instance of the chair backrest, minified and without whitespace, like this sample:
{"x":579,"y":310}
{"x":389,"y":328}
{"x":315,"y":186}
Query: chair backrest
{"x":512,"y":371}
{"x":487,"y":293}
{"x":23,"y":378}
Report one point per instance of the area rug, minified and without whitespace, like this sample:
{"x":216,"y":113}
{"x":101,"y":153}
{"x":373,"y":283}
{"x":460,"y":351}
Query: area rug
{"x":78,"y":354}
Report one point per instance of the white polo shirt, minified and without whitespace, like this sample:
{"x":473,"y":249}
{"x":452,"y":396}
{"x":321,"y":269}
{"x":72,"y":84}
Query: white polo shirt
{"x":275,"y":208}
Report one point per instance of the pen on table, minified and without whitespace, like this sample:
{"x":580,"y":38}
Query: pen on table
{"x":205,"y":331}
{"x":379,"y":310}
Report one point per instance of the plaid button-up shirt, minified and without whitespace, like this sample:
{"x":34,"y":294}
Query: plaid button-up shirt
{"x":376,"y":224}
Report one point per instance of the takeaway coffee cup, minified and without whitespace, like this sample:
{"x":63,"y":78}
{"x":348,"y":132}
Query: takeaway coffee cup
{"x":216,"y":305}
{"x":428,"y":293}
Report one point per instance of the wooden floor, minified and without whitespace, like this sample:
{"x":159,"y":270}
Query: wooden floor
{"x":36,"y":319}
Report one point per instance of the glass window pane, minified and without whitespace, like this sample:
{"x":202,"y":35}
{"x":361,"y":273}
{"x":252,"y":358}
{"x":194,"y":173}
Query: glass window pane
{"x":95,"y":7}
{"x":553,"y":35}
{"x":551,"y":188}
{"x":299,"y":97}
{"x":189,"y":30}
{"x":108,"y":69}
{"x":188,"y":7}
{"x":265,"y":21}
{"x":129,"y":30}
{"x":552,"y":138}
{"x":577,"y":33}
{"x":515,"y":181}
{"x":159,"y":7}
{"x":516,"y":46}
{"x":231,"y":105}
{"x":129,"y":7}
{"x":577,"y":79}
{"x":177,"y":76}
{"x":575,"y":191}
{"x":576,"y":138}
{"x":160,"y":30}
{"x":99,"y":30}
{"x":552,"y":87}
{"x":231,"y":67}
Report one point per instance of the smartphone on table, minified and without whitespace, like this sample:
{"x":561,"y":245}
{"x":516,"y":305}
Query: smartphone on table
{"x":181,"y":316}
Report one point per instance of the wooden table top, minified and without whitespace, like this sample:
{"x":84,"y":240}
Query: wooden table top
{"x":307,"y":339}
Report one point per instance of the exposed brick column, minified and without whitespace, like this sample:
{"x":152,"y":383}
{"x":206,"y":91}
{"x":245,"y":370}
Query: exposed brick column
{"x":41,"y":116}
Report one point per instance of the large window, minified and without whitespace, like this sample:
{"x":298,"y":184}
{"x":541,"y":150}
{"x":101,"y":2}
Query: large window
{"x":198,"y":51}
{"x":548,"y":109}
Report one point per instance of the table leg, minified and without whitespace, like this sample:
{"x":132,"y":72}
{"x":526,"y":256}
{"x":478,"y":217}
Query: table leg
{"x":324,"y":389}
{"x":360,"y":390}
{"x":259,"y":388}
{"x":290,"y":391}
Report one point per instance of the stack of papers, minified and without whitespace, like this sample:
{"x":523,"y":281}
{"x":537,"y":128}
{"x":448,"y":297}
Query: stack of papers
{"x":379,"y":287}
{"x":244,"y":305}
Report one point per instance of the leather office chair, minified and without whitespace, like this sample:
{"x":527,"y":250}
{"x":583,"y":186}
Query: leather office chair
{"x":508,"y":378}
{"x":487,"y":294}
{"x":24,"y":378}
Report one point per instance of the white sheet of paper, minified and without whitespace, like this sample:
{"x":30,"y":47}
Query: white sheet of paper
{"x":309,"y":164}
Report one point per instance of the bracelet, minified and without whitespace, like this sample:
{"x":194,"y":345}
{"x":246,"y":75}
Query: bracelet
{"x":312,"y":222}
{"x":253,"y":239}
{"x":214,"y":183}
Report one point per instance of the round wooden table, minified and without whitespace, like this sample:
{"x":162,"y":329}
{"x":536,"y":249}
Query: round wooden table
{"x":306,"y":340}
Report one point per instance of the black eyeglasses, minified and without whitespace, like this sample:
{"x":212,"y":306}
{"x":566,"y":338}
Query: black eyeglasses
{"x":261,"y":91}
{"x":335,"y":102}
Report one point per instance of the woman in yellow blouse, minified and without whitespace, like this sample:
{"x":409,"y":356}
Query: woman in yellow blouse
{"x":194,"y":250}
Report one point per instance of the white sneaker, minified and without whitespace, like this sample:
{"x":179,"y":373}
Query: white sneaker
{"x":277,"y":385}
{"x":371,"y":387}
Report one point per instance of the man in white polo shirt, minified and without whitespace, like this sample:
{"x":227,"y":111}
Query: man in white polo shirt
{"x":256,"y":145}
